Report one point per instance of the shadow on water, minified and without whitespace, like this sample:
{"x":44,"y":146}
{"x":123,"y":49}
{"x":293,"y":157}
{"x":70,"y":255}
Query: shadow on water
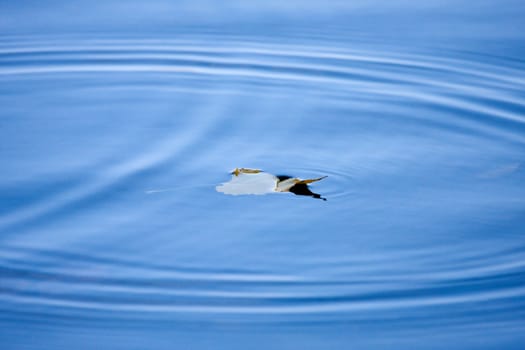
{"x":247,"y":181}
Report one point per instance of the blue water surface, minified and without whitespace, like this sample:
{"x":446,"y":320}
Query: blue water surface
{"x":119,"y":118}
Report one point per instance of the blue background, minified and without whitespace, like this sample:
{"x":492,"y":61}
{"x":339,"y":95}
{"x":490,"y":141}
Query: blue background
{"x":119,"y":118}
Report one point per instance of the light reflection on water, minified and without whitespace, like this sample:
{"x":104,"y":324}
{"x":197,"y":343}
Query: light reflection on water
{"x":112,"y":149}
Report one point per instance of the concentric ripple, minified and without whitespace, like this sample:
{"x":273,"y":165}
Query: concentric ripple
{"x":106,"y":285}
{"x":424,"y":154}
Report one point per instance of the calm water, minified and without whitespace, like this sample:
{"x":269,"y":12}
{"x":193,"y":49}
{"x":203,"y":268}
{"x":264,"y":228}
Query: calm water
{"x":118,"y":121}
